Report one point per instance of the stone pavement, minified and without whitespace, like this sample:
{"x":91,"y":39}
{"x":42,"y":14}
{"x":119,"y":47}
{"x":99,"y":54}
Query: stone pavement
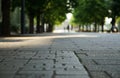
{"x":65,"y":55}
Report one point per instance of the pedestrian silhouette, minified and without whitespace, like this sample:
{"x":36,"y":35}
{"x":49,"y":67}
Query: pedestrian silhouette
{"x":68,"y":28}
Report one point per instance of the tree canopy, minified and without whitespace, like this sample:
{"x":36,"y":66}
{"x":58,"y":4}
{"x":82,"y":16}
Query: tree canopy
{"x":95,"y":11}
{"x":54,"y":12}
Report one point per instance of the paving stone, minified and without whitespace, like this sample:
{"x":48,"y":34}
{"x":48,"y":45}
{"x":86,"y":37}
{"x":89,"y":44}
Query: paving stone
{"x":68,"y":61}
{"x":44,"y":61}
{"x":101,"y":57}
{"x":22,"y":52}
{"x":102,"y":52}
{"x":34,"y":74}
{"x":6,"y":75}
{"x":25,"y":56}
{"x":1,"y":58}
{"x":46,"y":52}
{"x":103,"y":67}
{"x":11,"y":66}
{"x":69,"y":68}
{"x":57,"y":65}
{"x":73,"y":76}
{"x":99,"y":75}
{"x":64,"y":58}
{"x":11,"y":72}
{"x":108,"y":61}
{"x":44,"y":56}
{"x":88,"y":62}
{"x":9,"y":53}
{"x":38,"y":67}
{"x":65,"y":53}
{"x":114,"y":74}
{"x":22,"y":57}
{"x":71,"y":72}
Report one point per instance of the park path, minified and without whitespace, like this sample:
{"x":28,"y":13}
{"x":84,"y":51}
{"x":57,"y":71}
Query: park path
{"x":61,"y":55}
{"x":40,"y":56}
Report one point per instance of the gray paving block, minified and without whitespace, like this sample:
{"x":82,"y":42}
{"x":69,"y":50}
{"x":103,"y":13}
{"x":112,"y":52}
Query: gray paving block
{"x":108,"y":61}
{"x":44,"y":52}
{"x":99,"y":75}
{"x":65,"y":53}
{"x":114,"y":74}
{"x":101,"y":57}
{"x":101,"y":68}
{"x":24,"y":52}
{"x":71,"y":72}
{"x":35,"y":74}
{"x":38,"y":67}
{"x":88,"y":62}
{"x":64,"y":58}
{"x":71,"y":76}
{"x":43,"y":61}
{"x":7,"y":72}
{"x":6,"y":75}
{"x":44,"y":56}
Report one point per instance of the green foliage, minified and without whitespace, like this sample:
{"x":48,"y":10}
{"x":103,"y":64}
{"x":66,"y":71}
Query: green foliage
{"x":118,"y":22}
{"x":50,"y":11}
{"x":90,"y":11}
{"x":115,"y":10}
{"x":15,"y":3}
{"x":55,"y":11}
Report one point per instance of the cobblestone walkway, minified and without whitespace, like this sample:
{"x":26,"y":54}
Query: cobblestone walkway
{"x":65,"y":55}
{"x":39,"y":57}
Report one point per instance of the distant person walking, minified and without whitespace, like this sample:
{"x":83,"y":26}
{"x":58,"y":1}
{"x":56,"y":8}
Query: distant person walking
{"x":68,"y":28}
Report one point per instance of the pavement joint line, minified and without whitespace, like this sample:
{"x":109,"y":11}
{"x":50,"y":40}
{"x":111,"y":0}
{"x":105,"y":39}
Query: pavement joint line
{"x":108,"y":74}
{"x":80,"y":60}
{"x":95,"y":62}
{"x":87,"y":71}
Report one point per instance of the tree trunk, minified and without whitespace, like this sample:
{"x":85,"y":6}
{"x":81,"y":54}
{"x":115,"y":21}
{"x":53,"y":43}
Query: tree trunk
{"x":0,"y":11}
{"x":102,"y":27}
{"x":79,"y":28}
{"x":38,"y":24}
{"x":83,"y":28}
{"x":87,"y":28}
{"x":31,"y":24}
{"x":95,"y":30}
{"x":98,"y":28}
{"x":22,"y":16}
{"x":50,"y":28}
{"x":5,"y":18}
{"x":42,"y":27}
{"x":90,"y":28}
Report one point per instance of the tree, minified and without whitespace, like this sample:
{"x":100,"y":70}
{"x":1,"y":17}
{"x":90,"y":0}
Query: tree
{"x":5,"y":17}
{"x":0,"y":11}
{"x":54,"y":14}
{"x":45,"y":11}
{"x":91,"y":11}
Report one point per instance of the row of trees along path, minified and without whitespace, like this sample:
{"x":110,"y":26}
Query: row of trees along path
{"x":53,"y":12}
{"x":44,"y":11}
{"x":94,"y":12}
